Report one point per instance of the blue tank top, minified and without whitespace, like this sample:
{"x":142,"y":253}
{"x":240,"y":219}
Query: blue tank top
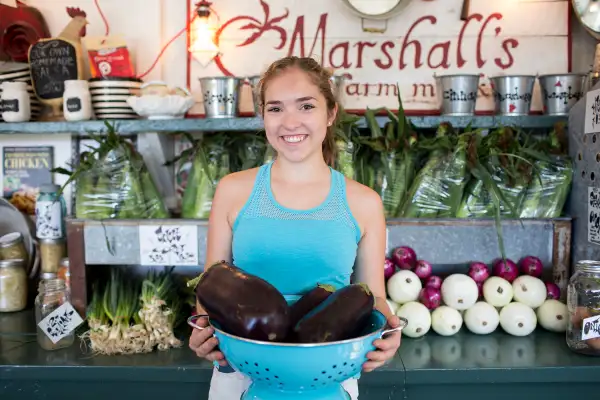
{"x":296,"y":249}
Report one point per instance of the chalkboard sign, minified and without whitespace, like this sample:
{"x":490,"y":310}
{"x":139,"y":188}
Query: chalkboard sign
{"x":52,"y":62}
{"x":74,"y":104}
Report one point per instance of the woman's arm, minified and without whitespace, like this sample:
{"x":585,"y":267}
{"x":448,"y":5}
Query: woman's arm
{"x":367,"y":207}
{"x":218,"y":241}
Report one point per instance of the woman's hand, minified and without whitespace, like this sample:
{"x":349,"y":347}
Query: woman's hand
{"x":386,"y":347}
{"x":203,"y":343}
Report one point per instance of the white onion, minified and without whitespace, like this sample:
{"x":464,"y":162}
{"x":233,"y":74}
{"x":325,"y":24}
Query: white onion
{"x":529,"y":290}
{"x":446,"y":321}
{"x":497,"y":291}
{"x":404,"y":286}
{"x":518,"y":319}
{"x":459,"y":291}
{"x":418,"y":316}
{"x":553,"y":315}
{"x":482,"y":318}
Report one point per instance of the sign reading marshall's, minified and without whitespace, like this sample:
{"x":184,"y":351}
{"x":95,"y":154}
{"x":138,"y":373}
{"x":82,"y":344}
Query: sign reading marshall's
{"x":426,"y":39}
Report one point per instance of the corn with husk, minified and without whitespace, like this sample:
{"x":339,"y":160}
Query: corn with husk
{"x":112,"y":181}
{"x":549,"y":189}
{"x":386,"y":161}
{"x":437,"y":189}
{"x":210,"y":164}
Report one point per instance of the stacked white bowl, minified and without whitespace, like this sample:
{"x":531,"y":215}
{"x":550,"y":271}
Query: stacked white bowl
{"x":19,"y":72}
{"x":109,"y":97}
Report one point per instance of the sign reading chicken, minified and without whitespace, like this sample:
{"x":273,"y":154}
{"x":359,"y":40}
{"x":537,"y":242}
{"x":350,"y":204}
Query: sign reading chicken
{"x":55,"y":60}
{"x":428,"y":38}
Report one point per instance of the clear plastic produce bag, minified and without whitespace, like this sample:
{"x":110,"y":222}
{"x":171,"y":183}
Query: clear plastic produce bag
{"x":549,"y":189}
{"x":118,"y":185}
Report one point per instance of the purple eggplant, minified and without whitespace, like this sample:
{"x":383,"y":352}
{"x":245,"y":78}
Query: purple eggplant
{"x":343,"y":315}
{"x":242,"y":304}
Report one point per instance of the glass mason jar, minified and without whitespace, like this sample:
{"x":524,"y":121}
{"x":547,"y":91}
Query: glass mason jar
{"x":13,"y":286}
{"x":64,"y":272}
{"x":52,"y":251}
{"x":583,"y":302}
{"x":12,"y":247}
{"x":52,"y":293}
{"x":50,"y":210}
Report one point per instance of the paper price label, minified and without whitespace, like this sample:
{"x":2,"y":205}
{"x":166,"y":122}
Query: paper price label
{"x":60,"y":322}
{"x":168,"y":245}
{"x":593,"y":219}
{"x":591,"y":328}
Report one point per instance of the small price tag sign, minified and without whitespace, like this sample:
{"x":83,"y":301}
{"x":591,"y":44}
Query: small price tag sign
{"x":593,"y":219}
{"x":591,"y":328}
{"x":168,"y":245}
{"x":60,"y":322}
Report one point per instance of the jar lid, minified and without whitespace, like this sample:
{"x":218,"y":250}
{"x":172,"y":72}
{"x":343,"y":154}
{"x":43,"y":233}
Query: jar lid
{"x":587,"y":265}
{"x":65,"y":261}
{"x":10,"y":238}
{"x":12,"y":263}
{"x":14,"y":85}
{"x":49,"y":188}
{"x":51,"y":240}
{"x":48,"y":275}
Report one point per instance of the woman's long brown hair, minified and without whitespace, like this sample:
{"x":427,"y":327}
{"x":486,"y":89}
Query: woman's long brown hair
{"x":321,"y":77}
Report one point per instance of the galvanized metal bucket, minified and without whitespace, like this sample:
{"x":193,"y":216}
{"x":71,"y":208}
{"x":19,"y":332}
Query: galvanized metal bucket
{"x":254,"y":81}
{"x":513,"y":94}
{"x":560,"y":92}
{"x":221,"y":96}
{"x":457,"y":94}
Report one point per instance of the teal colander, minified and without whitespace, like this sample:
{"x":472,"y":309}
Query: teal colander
{"x":289,"y":371}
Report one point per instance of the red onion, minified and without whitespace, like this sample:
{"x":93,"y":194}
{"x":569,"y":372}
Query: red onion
{"x":388,"y":268}
{"x":430,"y":297}
{"x":553,"y":291}
{"x":507,"y":270}
{"x":532,"y":266}
{"x":404,"y":257}
{"x":423,"y":269}
{"x":479,"y":271}
{"x":434,"y":281}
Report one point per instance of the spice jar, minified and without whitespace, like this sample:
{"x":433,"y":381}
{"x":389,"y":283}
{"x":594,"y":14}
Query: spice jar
{"x":583,"y":303}
{"x":52,"y":294}
{"x":50,"y":210}
{"x":64,"y":272}
{"x":52,"y":251}
{"x":16,"y":103}
{"x":13,"y":286}
{"x":12,"y":247}
{"x":77,"y":101}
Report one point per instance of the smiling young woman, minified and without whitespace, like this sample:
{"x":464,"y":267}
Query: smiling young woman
{"x":296,"y":221}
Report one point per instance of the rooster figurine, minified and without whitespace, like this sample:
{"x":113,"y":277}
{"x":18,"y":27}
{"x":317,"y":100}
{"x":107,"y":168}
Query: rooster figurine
{"x":75,"y":30}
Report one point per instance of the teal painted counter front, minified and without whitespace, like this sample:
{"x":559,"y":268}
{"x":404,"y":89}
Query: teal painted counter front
{"x":461,"y":367}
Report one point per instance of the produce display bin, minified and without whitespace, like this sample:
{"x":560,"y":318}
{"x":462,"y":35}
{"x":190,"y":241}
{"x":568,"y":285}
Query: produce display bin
{"x":449,"y":244}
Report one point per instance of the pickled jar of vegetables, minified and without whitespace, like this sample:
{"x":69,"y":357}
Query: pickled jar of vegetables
{"x":583,"y":302}
{"x":13,"y":286}
{"x":52,"y":294}
{"x":12,"y":247}
{"x":50,"y":210}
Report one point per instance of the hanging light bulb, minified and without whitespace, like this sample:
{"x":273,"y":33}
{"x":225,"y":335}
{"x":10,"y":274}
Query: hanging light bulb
{"x":202,"y":33}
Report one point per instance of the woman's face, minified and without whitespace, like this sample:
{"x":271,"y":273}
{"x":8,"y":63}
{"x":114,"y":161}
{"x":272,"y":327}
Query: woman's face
{"x":295,"y":115}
